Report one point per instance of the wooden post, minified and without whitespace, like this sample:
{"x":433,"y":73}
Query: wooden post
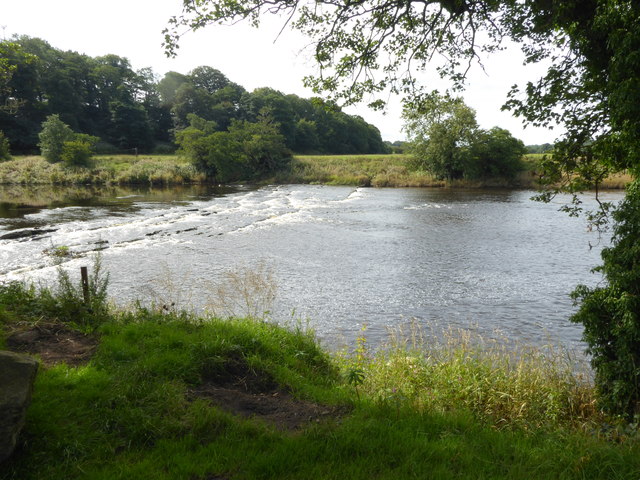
{"x":85,"y":284}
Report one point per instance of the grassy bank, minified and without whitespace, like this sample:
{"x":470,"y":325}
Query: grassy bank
{"x":394,"y":171}
{"x":356,"y":170}
{"x":158,"y":399}
{"x":106,"y":170}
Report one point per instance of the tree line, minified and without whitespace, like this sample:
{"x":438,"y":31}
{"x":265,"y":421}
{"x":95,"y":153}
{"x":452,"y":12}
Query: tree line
{"x":127,"y":109}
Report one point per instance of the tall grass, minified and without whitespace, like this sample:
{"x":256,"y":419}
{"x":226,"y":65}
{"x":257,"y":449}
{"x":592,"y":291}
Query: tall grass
{"x":105,"y":170}
{"x":357,"y":170}
{"x":503,"y":383}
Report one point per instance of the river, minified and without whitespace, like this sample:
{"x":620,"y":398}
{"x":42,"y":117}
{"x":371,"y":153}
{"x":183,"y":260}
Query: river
{"x":339,"y":257}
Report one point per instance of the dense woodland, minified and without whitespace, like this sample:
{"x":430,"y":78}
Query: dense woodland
{"x":127,"y":109}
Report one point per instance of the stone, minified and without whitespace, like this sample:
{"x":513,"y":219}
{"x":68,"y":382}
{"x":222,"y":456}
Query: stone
{"x":17,"y":375}
{"x":29,"y":232}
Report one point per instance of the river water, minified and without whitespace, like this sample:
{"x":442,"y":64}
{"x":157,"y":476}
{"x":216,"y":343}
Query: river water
{"x":339,"y":257}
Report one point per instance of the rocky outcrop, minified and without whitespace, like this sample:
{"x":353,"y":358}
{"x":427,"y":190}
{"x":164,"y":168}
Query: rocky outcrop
{"x":17,"y":374}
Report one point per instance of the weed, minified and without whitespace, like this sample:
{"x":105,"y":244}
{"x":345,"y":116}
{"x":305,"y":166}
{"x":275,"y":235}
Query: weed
{"x":71,"y":305}
{"x":355,"y":377}
{"x":60,"y":252}
{"x":243,"y":292}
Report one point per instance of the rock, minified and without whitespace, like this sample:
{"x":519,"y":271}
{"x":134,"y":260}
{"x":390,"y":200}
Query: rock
{"x":29,"y":232}
{"x":17,"y":374}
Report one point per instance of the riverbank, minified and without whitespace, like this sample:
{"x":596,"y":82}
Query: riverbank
{"x":156,"y":393}
{"x":355,"y":170}
{"x":394,"y":171}
{"x":106,"y":170}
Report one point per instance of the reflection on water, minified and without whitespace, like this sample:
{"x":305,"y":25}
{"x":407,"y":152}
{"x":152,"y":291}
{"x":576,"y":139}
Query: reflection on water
{"x":341,"y":257}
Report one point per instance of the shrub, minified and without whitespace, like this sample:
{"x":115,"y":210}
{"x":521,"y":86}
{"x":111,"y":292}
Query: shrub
{"x":611,"y":314}
{"x":76,"y":153}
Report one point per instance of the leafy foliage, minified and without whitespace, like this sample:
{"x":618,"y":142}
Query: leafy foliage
{"x":58,"y":143}
{"x":611,"y":314}
{"x":53,"y":136}
{"x":135,"y":111}
{"x":245,"y":150}
{"x":446,"y":141}
{"x":495,"y":153}
{"x":441,"y":130}
{"x":76,"y":153}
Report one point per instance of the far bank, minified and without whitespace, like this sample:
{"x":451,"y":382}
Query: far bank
{"x":355,"y":170}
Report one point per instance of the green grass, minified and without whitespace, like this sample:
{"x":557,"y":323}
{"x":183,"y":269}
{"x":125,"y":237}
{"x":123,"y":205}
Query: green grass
{"x":440,"y":409}
{"x":106,"y":170}
{"x":357,"y":170}
{"x":384,"y":171}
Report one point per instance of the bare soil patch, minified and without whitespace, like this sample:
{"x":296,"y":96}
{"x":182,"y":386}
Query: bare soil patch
{"x":54,"y":343}
{"x":245,"y":392}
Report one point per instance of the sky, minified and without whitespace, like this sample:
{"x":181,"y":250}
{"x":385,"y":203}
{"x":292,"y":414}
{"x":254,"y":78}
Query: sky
{"x":250,"y":57}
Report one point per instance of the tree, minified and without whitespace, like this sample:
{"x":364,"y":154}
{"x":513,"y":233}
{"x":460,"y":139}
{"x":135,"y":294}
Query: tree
{"x":169,"y":85}
{"x":208,"y":78}
{"x":495,"y":153}
{"x":59,"y":143}
{"x":263,"y":145}
{"x":591,"y":88}
{"x":129,"y":127}
{"x":246,"y":150}
{"x":446,"y":141}
{"x":306,"y":137}
{"x":53,"y":136}
{"x":442,"y":130}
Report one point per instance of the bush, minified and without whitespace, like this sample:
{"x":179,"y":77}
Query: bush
{"x":5,"y":152}
{"x":611,"y":314}
{"x":76,"y":153}
{"x":495,"y":153}
{"x":247,"y":150}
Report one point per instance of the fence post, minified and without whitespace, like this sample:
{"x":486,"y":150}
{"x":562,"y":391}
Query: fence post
{"x":85,"y":284}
